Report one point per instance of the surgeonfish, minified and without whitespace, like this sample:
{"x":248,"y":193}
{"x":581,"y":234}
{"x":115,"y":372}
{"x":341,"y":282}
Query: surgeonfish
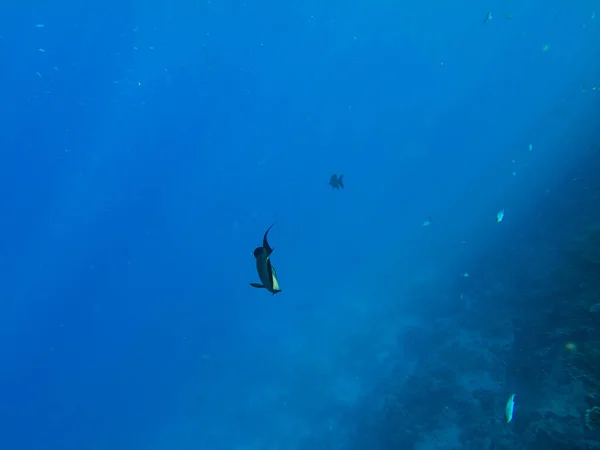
{"x":264,"y":267}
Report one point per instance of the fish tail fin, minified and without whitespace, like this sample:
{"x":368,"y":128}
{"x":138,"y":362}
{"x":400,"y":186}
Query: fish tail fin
{"x":341,"y":181}
{"x":276,"y":291}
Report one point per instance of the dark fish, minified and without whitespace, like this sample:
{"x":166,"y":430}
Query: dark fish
{"x":266,"y":271}
{"x":336,"y":182}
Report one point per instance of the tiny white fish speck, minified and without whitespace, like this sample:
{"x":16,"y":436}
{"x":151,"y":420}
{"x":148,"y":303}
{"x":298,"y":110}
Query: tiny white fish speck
{"x":500,"y":216}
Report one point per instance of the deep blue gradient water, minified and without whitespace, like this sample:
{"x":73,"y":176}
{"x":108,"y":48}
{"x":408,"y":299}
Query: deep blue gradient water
{"x":146,"y":147}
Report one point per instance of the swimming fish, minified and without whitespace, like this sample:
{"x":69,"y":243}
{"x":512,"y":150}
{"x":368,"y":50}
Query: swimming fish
{"x":266,"y":271}
{"x":510,"y":407}
{"x":428,"y":221}
{"x":500,"y":216}
{"x":488,"y":17}
{"x":336,"y":182}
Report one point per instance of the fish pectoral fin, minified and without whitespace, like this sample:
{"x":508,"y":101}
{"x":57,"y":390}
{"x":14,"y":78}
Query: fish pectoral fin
{"x":256,"y":285}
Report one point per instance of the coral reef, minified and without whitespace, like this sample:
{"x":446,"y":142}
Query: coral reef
{"x":585,"y":248}
{"x":592,"y":418}
{"x":543,"y":343}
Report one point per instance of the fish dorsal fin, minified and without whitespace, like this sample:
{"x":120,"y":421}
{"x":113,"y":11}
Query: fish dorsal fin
{"x":266,"y":245}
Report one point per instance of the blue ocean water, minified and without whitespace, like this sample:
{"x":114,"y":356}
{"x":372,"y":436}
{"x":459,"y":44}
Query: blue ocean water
{"x":146,"y":148}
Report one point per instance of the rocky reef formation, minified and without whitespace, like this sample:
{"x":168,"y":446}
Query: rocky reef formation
{"x":537,"y":336}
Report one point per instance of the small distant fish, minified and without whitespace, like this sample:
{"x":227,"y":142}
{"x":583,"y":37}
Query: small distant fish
{"x":500,"y":216}
{"x":510,"y":407}
{"x":595,"y":308}
{"x":488,"y":17}
{"x":530,"y":147}
{"x":266,"y":271}
{"x":428,"y":221}
{"x":336,"y":182}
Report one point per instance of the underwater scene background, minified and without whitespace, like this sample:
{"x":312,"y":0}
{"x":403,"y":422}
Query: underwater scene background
{"x":146,"y":148}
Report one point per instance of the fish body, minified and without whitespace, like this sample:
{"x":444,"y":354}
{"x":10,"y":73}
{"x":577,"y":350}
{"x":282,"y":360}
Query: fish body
{"x":336,"y":182}
{"x":428,"y":221}
{"x":510,"y":408}
{"x":264,"y":267}
{"x":500,"y":216}
{"x":488,"y":17}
